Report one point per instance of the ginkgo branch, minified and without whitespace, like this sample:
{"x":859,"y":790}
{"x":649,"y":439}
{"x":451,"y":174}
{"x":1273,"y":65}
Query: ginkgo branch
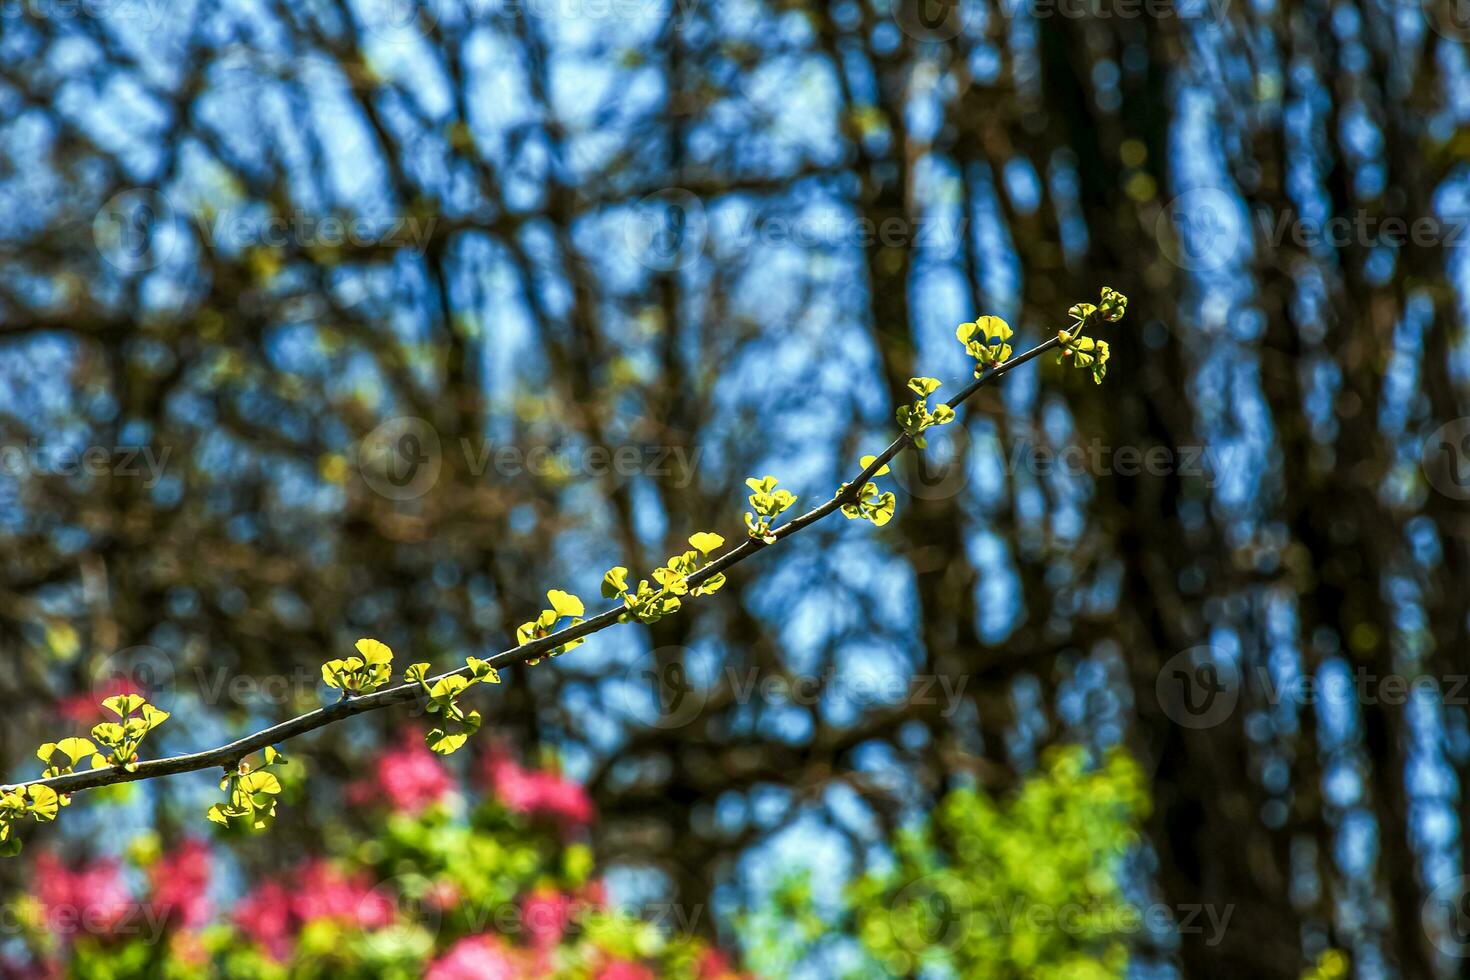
{"x":229,"y":756}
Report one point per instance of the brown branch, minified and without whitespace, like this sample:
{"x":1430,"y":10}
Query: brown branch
{"x":228,"y":756}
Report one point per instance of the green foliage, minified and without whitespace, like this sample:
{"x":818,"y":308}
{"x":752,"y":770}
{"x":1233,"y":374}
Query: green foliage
{"x":1026,"y":888}
{"x":564,"y":605}
{"x":767,"y":503}
{"x":1331,"y":965}
{"x":706,"y":542}
{"x":1112,"y":305}
{"x":424,"y":878}
{"x":645,"y":603}
{"x":122,"y":738}
{"x":361,"y":674}
{"x":649,"y":603}
{"x":443,"y":694}
{"x":917,"y":417}
{"x":615,"y":582}
{"x":1085,"y":351}
{"x":872,"y":505}
{"x":985,"y":340}
{"x":38,"y":802}
{"x":72,"y":750}
{"x":250,"y":793}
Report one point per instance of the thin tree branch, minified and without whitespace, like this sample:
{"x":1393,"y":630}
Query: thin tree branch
{"x":228,"y":756}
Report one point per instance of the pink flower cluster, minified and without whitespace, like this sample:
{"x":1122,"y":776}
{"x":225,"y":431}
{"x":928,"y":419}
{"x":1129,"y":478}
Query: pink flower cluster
{"x":180,"y":882}
{"x":92,"y":900}
{"x":95,"y":900}
{"x":487,"y":957}
{"x":546,"y":914}
{"x":481,"y":957}
{"x":409,"y":777}
{"x":712,"y":965}
{"x":275,"y":911}
{"x":86,"y":708}
{"x":537,"y":792}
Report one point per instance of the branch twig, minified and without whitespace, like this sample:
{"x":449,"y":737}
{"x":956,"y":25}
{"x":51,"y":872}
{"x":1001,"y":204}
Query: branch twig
{"x":228,"y":756}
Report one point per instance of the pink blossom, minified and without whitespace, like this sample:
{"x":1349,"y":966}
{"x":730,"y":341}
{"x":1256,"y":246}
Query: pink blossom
{"x":443,"y":895}
{"x":361,"y":793}
{"x":46,"y":969}
{"x":546,"y":913}
{"x":476,"y":958}
{"x":566,"y":800}
{"x":181,"y":884}
{"x":511,"y":784}
{"x":625,"y":970}
{"x":93,"y":899}
{"x":86,"y":708}
{"x":323,"y":892}
{"x":274,"y":912}
{"x":594,"y":893}
{"x":412,"y":777}
{"x":536,"y":792}
{"x":714,"y":965}
{"x":265,"y":916}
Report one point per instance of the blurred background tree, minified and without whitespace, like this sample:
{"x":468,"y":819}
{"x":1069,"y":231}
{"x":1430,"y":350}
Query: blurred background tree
{"x":331,"y":319}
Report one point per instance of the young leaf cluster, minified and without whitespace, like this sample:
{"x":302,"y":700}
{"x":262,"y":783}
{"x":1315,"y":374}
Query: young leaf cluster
{"x":63,"y":757}
{"x":362,"y":674}
{"x":917,"y":417}
{"x":1089,"y":352}
{"x":121,"y":738}
{"x":250,"y":792}
{"x":113,"y":743}
{"x":650,"y":602}
{"x":443,"y":699}
{"x":41,"y":803}
{"x":985,"y":339}
{"x":871,"y":505}
{"x":767,"y":503}
{"x":564,"y":605}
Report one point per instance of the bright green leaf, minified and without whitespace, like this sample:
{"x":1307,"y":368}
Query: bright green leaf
{"x":374,"y":651}
{"x":706,"y":541}
{"x":565,"y":604}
